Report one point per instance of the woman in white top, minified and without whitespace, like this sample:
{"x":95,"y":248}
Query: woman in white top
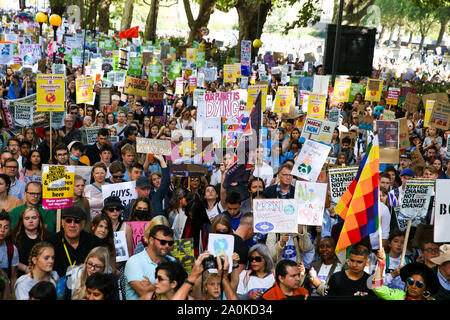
{"x":42,"y":258}
{"x":212,"y":205}
{"x":93,"y":192}
{"x":185,"y":121}
{"x":259,"y":278}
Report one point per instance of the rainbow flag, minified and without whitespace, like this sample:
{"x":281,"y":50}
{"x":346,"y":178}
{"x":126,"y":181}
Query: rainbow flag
{"x":358,"y":206}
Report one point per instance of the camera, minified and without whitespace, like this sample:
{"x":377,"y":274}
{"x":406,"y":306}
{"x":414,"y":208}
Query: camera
{"x":211,"y":262}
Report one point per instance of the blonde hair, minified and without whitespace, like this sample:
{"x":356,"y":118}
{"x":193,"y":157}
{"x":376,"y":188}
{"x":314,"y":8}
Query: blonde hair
{"x":35,"y":252}
{"x":102,"y":254}
{"x":157,"y":220}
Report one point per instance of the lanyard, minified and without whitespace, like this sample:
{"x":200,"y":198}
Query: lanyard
{"x":67,"y":254}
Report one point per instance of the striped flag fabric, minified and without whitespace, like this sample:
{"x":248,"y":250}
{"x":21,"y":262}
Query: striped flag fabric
{"x":358,"y":206}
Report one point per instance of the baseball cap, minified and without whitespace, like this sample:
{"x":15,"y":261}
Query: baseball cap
{"x":405,"y":156}
{"x":115,"y":97}
{"x":408,"y":172}
{"x":143,"y":183}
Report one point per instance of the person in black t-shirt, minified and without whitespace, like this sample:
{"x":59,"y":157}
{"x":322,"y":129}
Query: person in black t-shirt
{"x":353,"y":280}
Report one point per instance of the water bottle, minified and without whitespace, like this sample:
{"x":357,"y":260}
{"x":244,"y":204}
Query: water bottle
{"x":312,"y":272}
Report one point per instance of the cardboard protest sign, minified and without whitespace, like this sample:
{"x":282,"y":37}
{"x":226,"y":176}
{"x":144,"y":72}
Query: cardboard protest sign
{"x":340,"y":179}
{"x":317,"y":130}
{"x":120,"y":243}
{"x":388,"y":133}
{"x":138,"y":229}
{"x":50,"y":92}
{"x":351,"y":135}
{"x":84,"y":89}
{"x":126,"y":191}
{"x":411,"y":102}
{"x":183,"y":251}
{"x":57,"y":187}
{"x":310,"y":160}
{"x":275,"y":215}
{"x":283,"y":99}
{"x":105,"y":97}
{"x":440,"y":116}
{"x":442,"y":211}
{"x":136,"y":86}
{"x":403,"y":134}
{"x":374,"y":90}
{"x":415,"y":202}
{"x":153,"y":146}
{"x":219,"y":244}
{"x":310,"y":198}
{"x":392,"y":96}
{"x":222,"y":104}
{"x":253,"y":92}
{"x":388,"y":115}
{"x":316,"y":105}
{"x":341,"y":90}
{"x":366,"y":122}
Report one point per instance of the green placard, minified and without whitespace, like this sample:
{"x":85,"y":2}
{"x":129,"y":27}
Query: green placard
{"x":175,"y":69}
{"x":155,"y":73}
{"x":135,"y":67}
{"x":200,"y":59}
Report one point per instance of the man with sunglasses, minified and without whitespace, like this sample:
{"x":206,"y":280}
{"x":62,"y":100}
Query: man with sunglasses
{"x":117,"y":172}
{"x":140,"y":268}
{"x":72,"y":244}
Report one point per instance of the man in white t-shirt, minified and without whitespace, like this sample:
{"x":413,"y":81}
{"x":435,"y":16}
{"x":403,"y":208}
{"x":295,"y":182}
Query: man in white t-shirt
{"x":262,"y":170}
{"x":385,"y":217}
{"x":121,"y":123}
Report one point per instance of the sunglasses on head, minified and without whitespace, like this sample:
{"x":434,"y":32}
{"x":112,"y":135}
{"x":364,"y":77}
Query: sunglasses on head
{"x":70,"y":220}
{"x":410,"y":281}
{"x":257,"y":259}
{"x":164,"y":242}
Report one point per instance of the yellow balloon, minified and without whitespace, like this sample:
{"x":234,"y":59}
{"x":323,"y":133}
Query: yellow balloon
{"x":41,"y":17}
{"x":257,"y":43}
{"x":55,"y":20}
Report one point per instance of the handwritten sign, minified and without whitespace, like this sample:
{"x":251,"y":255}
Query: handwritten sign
{"x":153,"y":146}
{"x":222,"y":104}
{"x":311,"y":202}
{"x":136,"y":86}
{"x":275,"y":215}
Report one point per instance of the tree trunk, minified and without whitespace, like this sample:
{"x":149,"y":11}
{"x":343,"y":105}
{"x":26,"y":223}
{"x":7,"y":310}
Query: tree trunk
{"x":58,"y":6}
{"x":152,"y":18}
{"x":391,"y":35}
{"x":411,"y":34}
{"x":103,"y":13}
{"x":441,"y":32}
{"x":205,"y":11}
{"x":354,"y":11}
{"x":422,"y":40}
{"x":248,"y":26}
{"x":398,"y":44}
{"x":380,"y":37}
{"x":91,"y":20}
{"x":127,"y":16}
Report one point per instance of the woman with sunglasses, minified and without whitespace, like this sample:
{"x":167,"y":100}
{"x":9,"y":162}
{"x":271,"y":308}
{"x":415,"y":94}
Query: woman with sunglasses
{"x":252,"y":283}
{"x":98,"y":260}
{"x":100,"y":120}
{"x":421,"y":281}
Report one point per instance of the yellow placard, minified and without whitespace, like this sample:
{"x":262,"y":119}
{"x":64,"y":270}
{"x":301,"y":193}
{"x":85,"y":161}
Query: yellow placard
{"x":316,"y":105}
{"x":374,"y":89}
{"x":428,"y":110}
{"x":283,"y":99}
{"x":84,"y":89}
{"x":253,"y":92}
{"x":57,"y":187}
{"x":50,"y":92}
{"x":191,"y":54}
{"x":341,"y":90}
{"x":229,"y":73}
{"x":238,"y":70}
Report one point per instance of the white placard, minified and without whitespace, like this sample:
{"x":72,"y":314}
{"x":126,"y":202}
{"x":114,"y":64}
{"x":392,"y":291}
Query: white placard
{"x":120,"y":242}
{"x":126,"y":191}
{"x":221,"y":244}
{"x":275,"y":215}
{"x":310,"y":160}
{"x":311,"y":202}
{"x":442,"y":211}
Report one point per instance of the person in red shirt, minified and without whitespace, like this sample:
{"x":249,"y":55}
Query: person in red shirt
{"x":287,"y":286}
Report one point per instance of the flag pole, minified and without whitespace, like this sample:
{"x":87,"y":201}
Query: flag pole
{"x":380,"y":239}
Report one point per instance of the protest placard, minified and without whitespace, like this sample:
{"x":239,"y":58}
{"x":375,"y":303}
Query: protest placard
{"x":334,"y":115}
{"x":415,"y":202}
{"x":219,"y":244}
{"x":57,"y":187}
{"x":222,"y":104}
{"x":365,"y":122}
{"x":23,"y":114}
{"x":392,"y":96}
{"x":50,"y":92}
{"x":230,"y":73}
{"x":316,"y":105}
{"x":317,"y":130}
{"x":283,"y":99}
{"x":440,"y":116}
{"x":442,"y":211}
{"x":320,"y":84}
{"x":155,"y":103}
{"x":340,"y":179}
{"x":374,"y":90}
{"x":253,"y":92}
{"x":155,"y":73}
{"x":411,"y":102}
{"x":136,"y":86}
{"x":120,"y":243}
{"x":403,"y":134}
{"x":91,"y":134}
{"x":183,"y":251}
{"x":105,"y":97}
{"x":137,"y":229}
{"x":310,"y":198}
{"x":84,"y":89}
{"x":126,"y":191}
{"x":153,"y":146}
{"x":341,"y":90}
{"x":135,"y":67}
{"x":275,"y":215}
{"x":388,"y":133}
{"x":310,"y":160}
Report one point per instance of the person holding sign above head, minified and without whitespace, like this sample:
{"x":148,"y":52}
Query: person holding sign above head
{"x":72,"y":244}
{"x":140,"y":269}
